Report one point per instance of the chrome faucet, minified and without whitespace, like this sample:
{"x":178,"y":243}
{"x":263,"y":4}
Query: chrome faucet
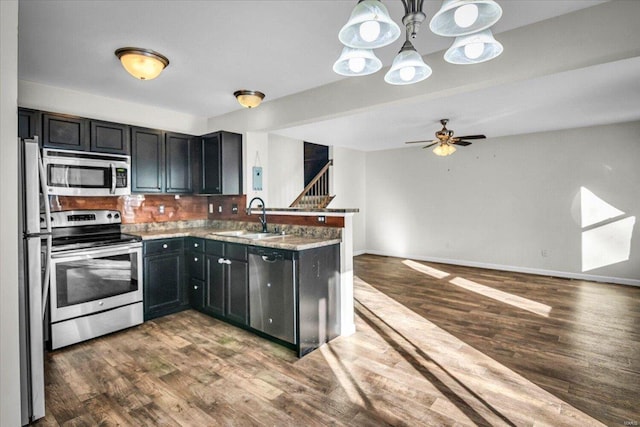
{"x":263,"y":218}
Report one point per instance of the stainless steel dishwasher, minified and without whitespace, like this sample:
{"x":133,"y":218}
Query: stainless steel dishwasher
{"x":272,"y":297}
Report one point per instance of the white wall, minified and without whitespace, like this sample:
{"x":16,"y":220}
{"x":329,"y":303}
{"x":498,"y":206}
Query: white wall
{"x":349,"y":183}
{"x":285,"y":170}
{"x":9,"y":355}
{"x":503,"y":201}
{"x":60,"y":100}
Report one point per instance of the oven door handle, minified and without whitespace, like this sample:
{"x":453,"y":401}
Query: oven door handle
{"x":77,"y":254}
{"x":113,"y":178}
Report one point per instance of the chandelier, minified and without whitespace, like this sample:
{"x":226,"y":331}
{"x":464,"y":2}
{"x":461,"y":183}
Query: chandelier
{"x":370,"y":27}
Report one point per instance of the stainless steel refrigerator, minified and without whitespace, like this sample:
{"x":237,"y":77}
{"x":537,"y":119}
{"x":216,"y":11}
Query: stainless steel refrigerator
{"x":34,"y":256}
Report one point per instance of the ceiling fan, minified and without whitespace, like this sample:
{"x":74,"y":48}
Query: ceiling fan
{"x":445,"y":140}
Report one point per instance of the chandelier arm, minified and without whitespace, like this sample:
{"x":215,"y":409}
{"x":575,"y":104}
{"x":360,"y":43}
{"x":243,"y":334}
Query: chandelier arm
{"x":405,"y":3}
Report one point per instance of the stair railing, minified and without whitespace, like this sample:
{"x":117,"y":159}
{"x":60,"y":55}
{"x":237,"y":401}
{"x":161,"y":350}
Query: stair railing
{"x":318,"y":188}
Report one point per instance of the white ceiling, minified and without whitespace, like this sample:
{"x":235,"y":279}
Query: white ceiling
{"x":286,"y":47}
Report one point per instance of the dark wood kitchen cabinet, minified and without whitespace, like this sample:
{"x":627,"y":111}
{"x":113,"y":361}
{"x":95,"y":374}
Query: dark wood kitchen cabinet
{"x":81,"y":134}
{"x":165,"y":290}
{"x":178,"y":162}
{"x":161,"y":162}
{"x":227,"y":281}
{"x":195,"y":264}
{"x":219,"y":161}
{"x":64,"y":131}
{"x":28,"y":123}
{"x":147,"y":161}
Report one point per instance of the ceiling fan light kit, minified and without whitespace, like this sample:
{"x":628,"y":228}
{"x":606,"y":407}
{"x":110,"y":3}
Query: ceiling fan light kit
{"x":371,"y":27}
{"x":357,"y":62}
{"x":444,"y":150}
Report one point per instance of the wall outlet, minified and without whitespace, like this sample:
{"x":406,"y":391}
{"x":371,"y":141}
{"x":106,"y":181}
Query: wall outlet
{"x":234,"y":208}
{"x":210,"y":207}
{"x":219,"y":209}
{"x":322,"y":218}
{"x":161,"y":209}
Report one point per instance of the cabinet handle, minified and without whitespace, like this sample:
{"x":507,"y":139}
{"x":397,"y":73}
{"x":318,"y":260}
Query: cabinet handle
{"x":270,"y":320}
{"x":195,"y":245}
{"x":228,"y":262}
{"x":195,"y":287}
{"x":165,"y":246}
{"x":268,"y":285}
{"x":195,"y":259}
{"x":223,"y":261}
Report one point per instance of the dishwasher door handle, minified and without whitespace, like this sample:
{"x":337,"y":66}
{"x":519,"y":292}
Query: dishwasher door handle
{"x":270,"y":259}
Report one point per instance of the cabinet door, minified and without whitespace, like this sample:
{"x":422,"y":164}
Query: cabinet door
{"x":238,"y":292}
{"x":210,"y":177}
{"x":196,"y":294}
{"x":214,"y":285}
{"x":163,"y":276}
{"x":178,"y":163}
{"x":147,"y":161}
{"x":231,"y":150}
{"x":107,"y":137}
{"x":61,"y":131}
{"x":27,"y":123}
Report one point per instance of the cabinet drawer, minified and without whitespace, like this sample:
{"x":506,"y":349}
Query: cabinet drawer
{"x":214,"y":247}
{"x":163,"y":245}
{"x":236,"y":251}
{"x":195,"y":261}
{"x":195,"y":244}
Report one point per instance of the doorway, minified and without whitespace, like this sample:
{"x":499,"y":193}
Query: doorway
{"x":316,"y":156}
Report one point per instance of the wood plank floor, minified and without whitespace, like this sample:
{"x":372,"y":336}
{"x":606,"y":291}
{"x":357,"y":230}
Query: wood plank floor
{"x":426,"y":352}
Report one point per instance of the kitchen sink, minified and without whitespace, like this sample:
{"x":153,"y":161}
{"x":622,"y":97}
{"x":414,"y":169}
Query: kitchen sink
{"x":245,"y":234}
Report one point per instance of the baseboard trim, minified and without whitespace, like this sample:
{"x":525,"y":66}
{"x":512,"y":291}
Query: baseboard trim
{"x":356,"y":253}
{"x":537,"y":271}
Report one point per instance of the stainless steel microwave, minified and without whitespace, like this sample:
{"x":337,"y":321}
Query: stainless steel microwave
{"x":80,"y":173}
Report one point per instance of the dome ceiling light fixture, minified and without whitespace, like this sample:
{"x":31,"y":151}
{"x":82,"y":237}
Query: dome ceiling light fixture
{"x":143,"y":64}
{"x":370,"y":27}
{"x":249,"y":98}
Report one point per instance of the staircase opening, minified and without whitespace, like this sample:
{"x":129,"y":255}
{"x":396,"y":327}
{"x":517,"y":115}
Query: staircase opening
{"x":316,"y":156}
{"x":316,"y":193}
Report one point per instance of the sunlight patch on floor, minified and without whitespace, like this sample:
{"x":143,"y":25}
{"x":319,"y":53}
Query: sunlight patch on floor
{"x":477,"y":387}
{"x":433,"y":272}
{"x":504,"y":297}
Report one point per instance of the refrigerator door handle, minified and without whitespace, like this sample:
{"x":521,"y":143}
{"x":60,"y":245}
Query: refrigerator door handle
{"x":47,"y":275}
{"x":43,"y":190}
{"x":47,"y":221}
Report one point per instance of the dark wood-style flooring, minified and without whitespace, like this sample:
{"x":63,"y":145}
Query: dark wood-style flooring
{"x":426,"y":352}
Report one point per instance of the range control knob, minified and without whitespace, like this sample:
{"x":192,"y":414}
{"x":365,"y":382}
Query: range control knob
{"x":109,"y":216}
{"x":117,"y":215}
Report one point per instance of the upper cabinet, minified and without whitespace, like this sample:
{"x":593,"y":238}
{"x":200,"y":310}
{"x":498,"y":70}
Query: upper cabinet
{"x":28,"y":123}
{"x":219,"y":164}
{"x":161,"y":162}
{"x":77,"y":133}
{"x":178,"y":162}
{"x":147,"y":161}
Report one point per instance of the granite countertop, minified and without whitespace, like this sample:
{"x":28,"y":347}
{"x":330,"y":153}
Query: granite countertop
{"x":288,"y":241}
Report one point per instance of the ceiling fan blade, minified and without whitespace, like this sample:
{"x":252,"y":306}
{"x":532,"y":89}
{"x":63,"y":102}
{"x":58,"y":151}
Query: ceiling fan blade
{"x":430,"y":145}
{"x":419,"y":142}
{"x":461,"y":143}
{"x":471,"y":137}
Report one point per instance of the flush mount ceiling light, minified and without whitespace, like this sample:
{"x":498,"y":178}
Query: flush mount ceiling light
{"x":370,"y":27}
{"x":473,"y":48}
{"x":357,"y":62}
{"x":249,"y":98}
{"x":460,"y":17}
{"x":143,"y":64}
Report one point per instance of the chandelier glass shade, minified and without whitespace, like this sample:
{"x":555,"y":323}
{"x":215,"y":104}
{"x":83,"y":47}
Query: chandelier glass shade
{"x":461,"y":17}
{"x":369,"y":26}
{"x":408,"y":67}
{"x":143,"y":64}
{"x":357,"y":62}
{"x":473,"y":48}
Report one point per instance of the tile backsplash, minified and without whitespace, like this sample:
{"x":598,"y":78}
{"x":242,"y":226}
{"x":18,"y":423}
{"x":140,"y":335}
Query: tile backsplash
{"x":140,"y":208}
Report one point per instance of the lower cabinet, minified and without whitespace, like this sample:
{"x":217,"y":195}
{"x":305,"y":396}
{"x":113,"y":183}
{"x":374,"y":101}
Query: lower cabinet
{"x":164,"y":278}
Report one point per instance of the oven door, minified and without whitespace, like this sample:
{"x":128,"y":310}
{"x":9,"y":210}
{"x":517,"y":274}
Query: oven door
{"x":70,"y":173}
{"x":89,"y":281}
